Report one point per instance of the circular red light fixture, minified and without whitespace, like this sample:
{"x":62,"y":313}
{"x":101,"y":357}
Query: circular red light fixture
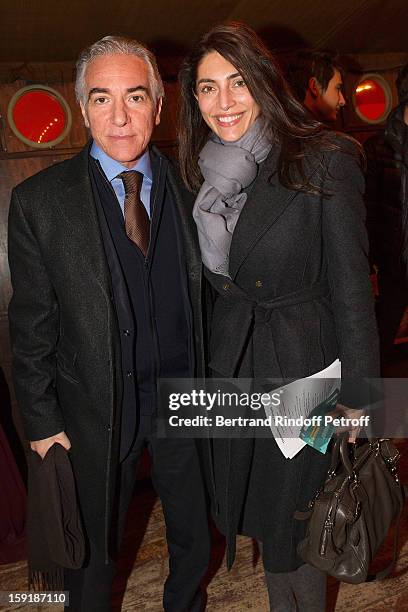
{"x":372,"y":98}
{"x":39,"y":116}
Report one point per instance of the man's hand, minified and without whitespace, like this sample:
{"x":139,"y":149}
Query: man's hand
{"x":41,"y":446}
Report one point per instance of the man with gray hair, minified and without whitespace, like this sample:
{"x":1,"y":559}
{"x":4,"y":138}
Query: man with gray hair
{"x":106,"y":275}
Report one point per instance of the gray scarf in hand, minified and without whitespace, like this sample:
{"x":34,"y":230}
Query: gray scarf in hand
{"x":227,"y":168}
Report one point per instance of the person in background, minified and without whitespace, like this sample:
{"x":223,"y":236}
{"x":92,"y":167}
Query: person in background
{"x":316,"y":80}
{"x":280,"y":221}
{"x":13,"y":495}
{"x":106,"y":281}
{"x":387,"y":216}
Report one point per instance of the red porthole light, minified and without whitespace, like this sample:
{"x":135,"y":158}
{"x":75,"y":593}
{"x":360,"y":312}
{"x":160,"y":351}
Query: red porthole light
{"x":39,"y":116}
{"x":372,"y":98}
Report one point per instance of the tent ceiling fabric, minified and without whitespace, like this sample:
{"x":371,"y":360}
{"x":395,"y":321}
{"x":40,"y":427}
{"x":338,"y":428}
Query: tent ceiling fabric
{"x":56,"y":30}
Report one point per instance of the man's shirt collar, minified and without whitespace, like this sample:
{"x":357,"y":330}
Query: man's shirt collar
{"x":112,"y":168}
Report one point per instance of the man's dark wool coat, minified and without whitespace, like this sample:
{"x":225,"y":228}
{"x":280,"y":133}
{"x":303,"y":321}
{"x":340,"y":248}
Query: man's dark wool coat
{"x":64,"y":328}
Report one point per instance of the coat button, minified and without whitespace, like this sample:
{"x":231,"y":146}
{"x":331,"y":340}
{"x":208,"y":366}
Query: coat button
{"x":129,"y":374}
{"x":258,"y":284}
{"x":126,"y":332}
{"x":226,"y":286}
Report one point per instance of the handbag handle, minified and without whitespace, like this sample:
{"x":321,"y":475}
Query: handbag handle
{"x":335,"y":456}
{"x":339,"y":451}
{"x":340,"y":448}
{"x":345,"y":458}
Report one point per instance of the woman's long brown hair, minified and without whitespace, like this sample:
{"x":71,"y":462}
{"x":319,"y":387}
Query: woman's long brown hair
{"x":289,"y":123}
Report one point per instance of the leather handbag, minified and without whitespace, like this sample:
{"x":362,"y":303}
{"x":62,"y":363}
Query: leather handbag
{"x":351,"y":515}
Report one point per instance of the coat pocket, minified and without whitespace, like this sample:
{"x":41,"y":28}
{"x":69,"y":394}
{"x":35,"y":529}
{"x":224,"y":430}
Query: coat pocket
{"x":66,"y":360}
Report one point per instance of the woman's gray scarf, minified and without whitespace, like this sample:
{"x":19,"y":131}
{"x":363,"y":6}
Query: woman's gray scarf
{"x":227,"y":168}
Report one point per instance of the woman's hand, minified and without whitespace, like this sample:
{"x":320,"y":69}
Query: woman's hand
{"x":348,"y":413}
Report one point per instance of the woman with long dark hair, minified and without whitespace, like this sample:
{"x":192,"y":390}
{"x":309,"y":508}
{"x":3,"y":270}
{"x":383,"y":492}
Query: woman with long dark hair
{"x":280,"y":221}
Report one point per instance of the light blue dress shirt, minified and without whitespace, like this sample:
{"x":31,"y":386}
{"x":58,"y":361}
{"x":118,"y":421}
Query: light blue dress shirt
{"x":112,"y":168}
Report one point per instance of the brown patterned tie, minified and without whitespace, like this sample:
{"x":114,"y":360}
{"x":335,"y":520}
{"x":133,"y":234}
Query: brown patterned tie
{"x":137,"y":222}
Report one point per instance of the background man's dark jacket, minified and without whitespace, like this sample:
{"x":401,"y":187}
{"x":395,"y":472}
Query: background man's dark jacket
{"x":387,"y":193}
{"x":387,"y":213}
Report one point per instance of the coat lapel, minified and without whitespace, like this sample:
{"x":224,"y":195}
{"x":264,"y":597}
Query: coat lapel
{"x":191,"y":262}
{"x":266,"y":202}
{"x":184,"y":201}
{"x":77,"y":204}
{"x":159,"y":169}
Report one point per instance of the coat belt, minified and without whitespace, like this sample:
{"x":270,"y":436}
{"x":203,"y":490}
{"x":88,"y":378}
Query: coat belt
{"x":246,"y":326}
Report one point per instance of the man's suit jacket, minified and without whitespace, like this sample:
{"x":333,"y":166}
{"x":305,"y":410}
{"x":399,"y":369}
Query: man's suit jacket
{"x":65,"y":339}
